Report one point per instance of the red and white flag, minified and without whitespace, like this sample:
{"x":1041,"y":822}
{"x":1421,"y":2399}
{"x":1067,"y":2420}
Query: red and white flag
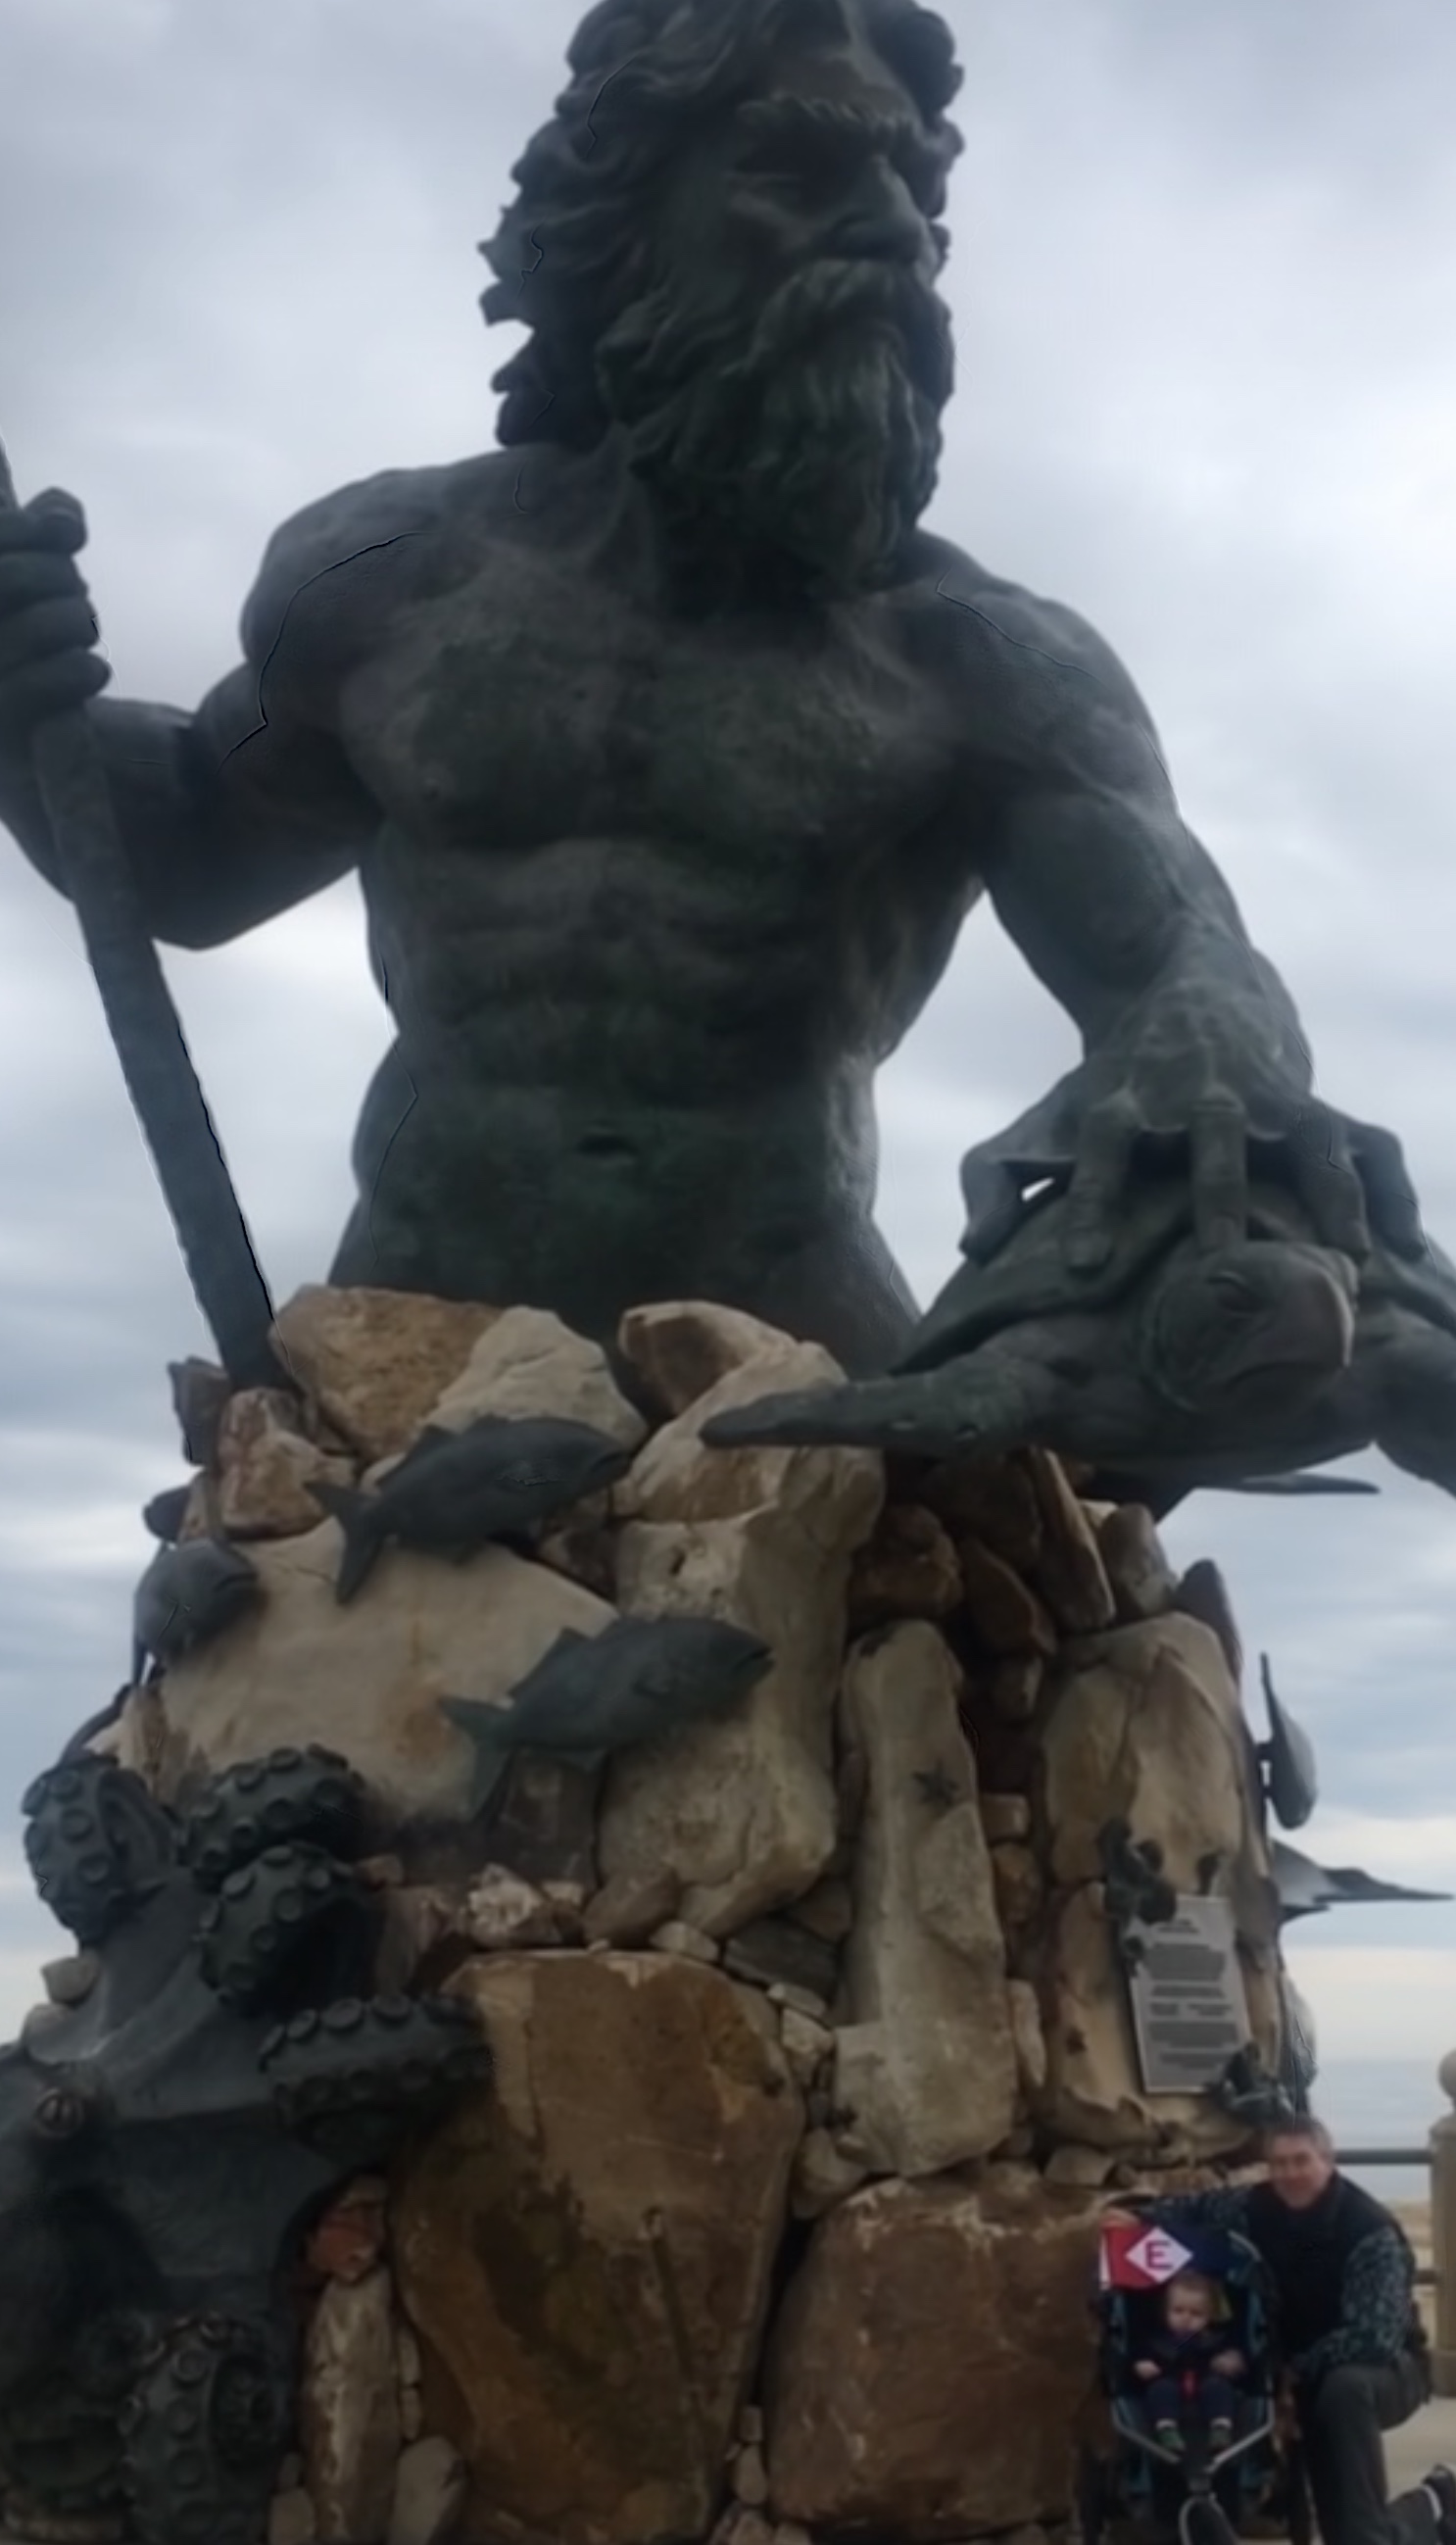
{"x":1140,"y":2258}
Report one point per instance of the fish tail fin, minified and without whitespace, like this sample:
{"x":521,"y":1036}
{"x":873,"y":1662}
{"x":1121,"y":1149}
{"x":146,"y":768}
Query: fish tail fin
{"x":486,"y":1729}
{"x":354,"y":1512}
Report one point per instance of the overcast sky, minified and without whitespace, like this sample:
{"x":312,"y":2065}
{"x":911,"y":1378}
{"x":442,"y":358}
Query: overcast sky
{"x":1204,"y":283}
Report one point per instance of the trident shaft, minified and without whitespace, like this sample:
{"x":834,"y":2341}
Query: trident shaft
{"x":161,"y":1081}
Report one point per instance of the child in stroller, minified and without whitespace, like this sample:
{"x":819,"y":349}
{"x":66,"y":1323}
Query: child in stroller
{"x":1188,"y":2374}
{"x":1215,"y":2465}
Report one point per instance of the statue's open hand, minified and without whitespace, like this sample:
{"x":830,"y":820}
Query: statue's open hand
{"x":1211,"y":1065}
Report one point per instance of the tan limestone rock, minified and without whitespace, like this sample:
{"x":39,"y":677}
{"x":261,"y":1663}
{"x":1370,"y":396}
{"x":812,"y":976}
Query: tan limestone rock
{"x":349,"y":2409}
{"x":823,"y":2175}
{"x":1005,"y":1817}
{"x":827,"y":1910}
{"x":527,"y":1362}
{"x":909,"y":1568}
{"x":1144,"y":1582}
{"x":587,"y":2249}
{"x":203,"y":1513}
{"x":1004,"y":1610}
{"x":740,"y":1809}
{"x":994,"y":1500}
{"x":367,"y":1679}
{"x":1145,"y":1725}
{"x":750,"y":2478}
{"x":373,"y":1361}
{"x":678,"y":1349}
{"x":1070,"y":1572}
{"x":924,"y":2057}
{"x":674,"y":1936}
{"x":631,"y":1906}
{"x":266,"y":1464}
{"x":429,"y":2495}
{"x":1019,"y":1884}
{"x":1094,"y":2092}
{"x":1084,"y":2169}
{"x":291,"y":2518}
{"x":1014,"y":1689}
{"x":348,"y":2240}
{"x":930,"y":2358}
{"x":583,"y":1548}
{"x":834,"y":1494}
{"x":740,"y":2525}
{"x":1027,"y":2037}
{"x":502,"y":1913}
{"x":807,"y":2044}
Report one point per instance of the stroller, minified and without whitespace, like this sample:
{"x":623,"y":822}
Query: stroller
{"x":1140,"y":2490}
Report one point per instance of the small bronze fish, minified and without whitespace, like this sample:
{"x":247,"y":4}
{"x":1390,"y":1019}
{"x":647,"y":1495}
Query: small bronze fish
{"x":455,"y":1490}
{"x":186,"y":1594}
{"x":590,"y":1694}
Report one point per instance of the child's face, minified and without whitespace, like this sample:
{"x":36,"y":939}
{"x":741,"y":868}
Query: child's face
{"x":1189,"y":2311}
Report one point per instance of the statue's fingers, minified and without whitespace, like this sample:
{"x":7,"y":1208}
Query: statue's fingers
{"x":1219,"y":1141}
{"x":1390,"y":1195}
{"x":992,"y":1192}
{"x":1327,"y":1182}
{"x":1104,"y":1150}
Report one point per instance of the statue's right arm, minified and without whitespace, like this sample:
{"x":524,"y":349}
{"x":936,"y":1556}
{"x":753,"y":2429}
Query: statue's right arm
{"x":229,"y":815}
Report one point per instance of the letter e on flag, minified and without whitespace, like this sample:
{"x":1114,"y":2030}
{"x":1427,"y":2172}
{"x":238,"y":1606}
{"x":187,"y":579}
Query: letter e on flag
{"x":1140,"y":2258}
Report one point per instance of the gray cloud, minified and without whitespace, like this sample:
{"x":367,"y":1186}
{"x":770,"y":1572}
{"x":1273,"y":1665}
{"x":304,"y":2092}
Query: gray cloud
{"x":1203,"y":285}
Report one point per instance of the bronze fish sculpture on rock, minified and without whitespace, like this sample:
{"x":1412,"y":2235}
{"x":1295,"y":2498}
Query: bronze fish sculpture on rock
{"x":186,"y":1594}
{"x":454,"y":1492}
{"x":592,"y":1694}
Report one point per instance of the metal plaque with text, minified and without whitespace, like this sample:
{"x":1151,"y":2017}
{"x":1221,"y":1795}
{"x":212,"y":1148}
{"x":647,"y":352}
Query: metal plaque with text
{"x":1189,"y":2011}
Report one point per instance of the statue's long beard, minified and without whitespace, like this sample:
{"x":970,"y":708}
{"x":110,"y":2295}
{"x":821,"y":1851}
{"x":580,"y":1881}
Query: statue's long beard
{"x":806,"y":442}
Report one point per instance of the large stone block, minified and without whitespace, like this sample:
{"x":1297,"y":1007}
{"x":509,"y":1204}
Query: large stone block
{"x":1145,"y":1725}
{"x":925,"y":2060}
{"x":528,"y":1363}
{"x":372,"y":1362}
{"x":930,"y":2358}
{"x":367,"y":1679}
{"x":586,"y":2250}
{"x":677,"y":1349}
{"x":835,"y":1495}
{"x":1092,"y":2087}
{"x":741,"y":1810}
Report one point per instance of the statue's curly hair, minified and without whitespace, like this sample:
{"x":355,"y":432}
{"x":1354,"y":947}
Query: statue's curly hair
{"x":573,"y":250}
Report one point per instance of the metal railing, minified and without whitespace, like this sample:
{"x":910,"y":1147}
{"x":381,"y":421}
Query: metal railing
{"x":1418,"y":2159}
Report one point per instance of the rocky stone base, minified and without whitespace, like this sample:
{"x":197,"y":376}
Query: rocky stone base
{"x":812,"y":2057}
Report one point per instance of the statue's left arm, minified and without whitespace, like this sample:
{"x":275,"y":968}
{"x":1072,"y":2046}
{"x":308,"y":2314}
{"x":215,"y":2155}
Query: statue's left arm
{"x":1189,"y":1035}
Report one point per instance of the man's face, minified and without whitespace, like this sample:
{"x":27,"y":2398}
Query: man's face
{"x":1298,"y":2172}
{"x":784,"y":376}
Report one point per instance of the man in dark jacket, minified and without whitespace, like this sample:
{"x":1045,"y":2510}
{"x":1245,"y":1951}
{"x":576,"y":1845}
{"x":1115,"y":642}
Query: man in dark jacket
{"x":1350,"y":2337}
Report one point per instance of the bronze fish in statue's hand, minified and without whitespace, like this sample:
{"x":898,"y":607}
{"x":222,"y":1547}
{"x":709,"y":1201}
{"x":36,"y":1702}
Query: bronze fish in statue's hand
{"x":455,"y":1490}
{"x":186,"y":1594}
{"x":595,"y":1693}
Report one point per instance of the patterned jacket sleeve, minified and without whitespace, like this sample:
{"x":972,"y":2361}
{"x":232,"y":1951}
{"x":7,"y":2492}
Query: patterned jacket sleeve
{"x":1215,"y":2211}
{"x":1375,"y":2308}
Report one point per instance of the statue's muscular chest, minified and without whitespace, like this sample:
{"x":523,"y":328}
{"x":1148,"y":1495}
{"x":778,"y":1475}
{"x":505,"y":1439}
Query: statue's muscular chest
{"x":530,"y":701}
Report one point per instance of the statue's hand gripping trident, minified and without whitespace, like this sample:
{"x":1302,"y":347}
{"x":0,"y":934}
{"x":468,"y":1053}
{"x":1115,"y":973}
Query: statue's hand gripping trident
{"x":93,"y":868}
